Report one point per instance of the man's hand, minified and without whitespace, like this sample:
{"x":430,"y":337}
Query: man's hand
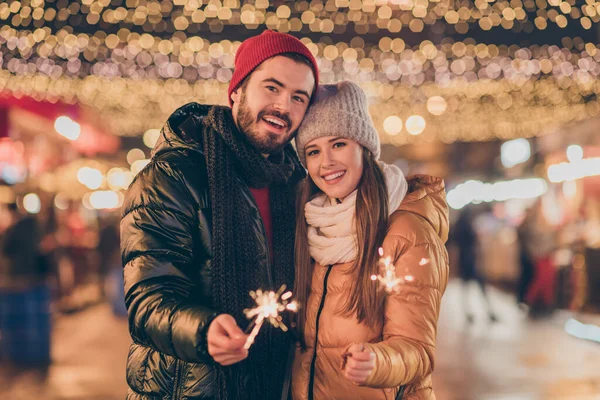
{"x":226,"y":340}
{"x":359,"y":363}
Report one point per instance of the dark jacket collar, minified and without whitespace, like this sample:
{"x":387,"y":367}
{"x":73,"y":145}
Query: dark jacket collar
{"x":182,"y":129}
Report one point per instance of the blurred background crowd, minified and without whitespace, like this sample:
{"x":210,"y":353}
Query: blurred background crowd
{"x":498,"y":97}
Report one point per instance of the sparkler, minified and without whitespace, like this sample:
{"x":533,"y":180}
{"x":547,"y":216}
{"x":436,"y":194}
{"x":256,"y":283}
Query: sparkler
{"x":388,"y":278}
{"x":269,"y":305}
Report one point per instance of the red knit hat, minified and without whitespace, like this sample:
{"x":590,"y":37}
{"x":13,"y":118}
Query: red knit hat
{"x":257,"y":49}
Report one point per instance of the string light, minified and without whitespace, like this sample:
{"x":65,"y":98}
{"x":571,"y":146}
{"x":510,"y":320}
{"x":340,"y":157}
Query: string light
{"x":477,"y":192}
{"x":68,"y":128}
{"x":576,"y":169}
{"x":415,"y":124}
{"x":321,"y":16}
{"x":392,"y":125}
{"x":32,"y":203}
{"x":146,"y":58}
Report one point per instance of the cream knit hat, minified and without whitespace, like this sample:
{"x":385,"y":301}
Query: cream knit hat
{"x":341,"y":110}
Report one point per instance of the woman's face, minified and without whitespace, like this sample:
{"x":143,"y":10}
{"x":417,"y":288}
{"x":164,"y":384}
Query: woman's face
{"x":335,"y":165}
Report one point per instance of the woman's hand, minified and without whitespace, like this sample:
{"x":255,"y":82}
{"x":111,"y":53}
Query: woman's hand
{"x":358,"y":364}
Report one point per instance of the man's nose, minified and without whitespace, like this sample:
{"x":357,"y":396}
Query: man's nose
{"x":283,"y":103}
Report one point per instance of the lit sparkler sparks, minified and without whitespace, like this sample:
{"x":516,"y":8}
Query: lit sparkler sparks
{"x":269,"y":305}
{"x":388,"y":278}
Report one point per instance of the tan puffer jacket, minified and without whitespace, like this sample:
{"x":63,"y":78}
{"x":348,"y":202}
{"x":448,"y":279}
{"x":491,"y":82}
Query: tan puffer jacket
{"x":404,"y":344}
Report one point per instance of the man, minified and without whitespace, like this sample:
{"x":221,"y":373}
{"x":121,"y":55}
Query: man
{"x":20,"y":247}
{"x":467,"y":243}
{"x":210,"y":219}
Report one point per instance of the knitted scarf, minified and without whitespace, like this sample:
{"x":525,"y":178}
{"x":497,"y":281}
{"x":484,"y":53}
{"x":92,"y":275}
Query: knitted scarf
{"x":232,"y":161}
{"x":331,"y":227}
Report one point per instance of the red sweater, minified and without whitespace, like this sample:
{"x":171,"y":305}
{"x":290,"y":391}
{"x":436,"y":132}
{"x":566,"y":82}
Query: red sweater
{"x":262,"y":200}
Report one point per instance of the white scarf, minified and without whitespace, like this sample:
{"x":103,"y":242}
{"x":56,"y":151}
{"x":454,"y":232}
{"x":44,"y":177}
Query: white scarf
{"x":331,"y":227}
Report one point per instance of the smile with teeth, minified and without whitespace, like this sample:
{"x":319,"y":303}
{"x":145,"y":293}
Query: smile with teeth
{"x":334,"y":176}
{"x":274,"y":121}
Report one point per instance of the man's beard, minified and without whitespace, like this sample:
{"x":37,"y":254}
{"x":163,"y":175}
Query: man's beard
{"x":265,"y":144}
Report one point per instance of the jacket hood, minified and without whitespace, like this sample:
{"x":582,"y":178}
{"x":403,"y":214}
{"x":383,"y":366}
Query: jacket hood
{"x":426,"y":197}
{"x":181,"y":131}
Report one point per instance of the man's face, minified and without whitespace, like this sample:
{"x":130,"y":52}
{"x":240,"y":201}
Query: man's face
{"x":269,"y":108}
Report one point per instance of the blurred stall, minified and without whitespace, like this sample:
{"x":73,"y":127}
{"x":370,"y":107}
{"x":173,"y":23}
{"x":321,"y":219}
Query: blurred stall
{"x":60,"y":166}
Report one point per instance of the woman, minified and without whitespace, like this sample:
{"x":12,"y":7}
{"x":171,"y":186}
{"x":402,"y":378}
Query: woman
{"x":540,"y":244}
{"x":369,"y":344}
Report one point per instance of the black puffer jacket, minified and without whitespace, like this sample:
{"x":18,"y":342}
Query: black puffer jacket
{"x":166,"y":253}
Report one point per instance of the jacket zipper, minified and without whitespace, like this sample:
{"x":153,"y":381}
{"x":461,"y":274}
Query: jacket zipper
{"x":311,"y":381}
{"x":176,"y":386}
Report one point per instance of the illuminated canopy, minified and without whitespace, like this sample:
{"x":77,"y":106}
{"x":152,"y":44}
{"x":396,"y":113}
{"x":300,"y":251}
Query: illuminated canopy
{"x":464,"y":70}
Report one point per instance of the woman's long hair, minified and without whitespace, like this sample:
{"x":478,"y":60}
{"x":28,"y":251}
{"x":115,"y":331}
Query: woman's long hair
{"x":366,"y":300}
